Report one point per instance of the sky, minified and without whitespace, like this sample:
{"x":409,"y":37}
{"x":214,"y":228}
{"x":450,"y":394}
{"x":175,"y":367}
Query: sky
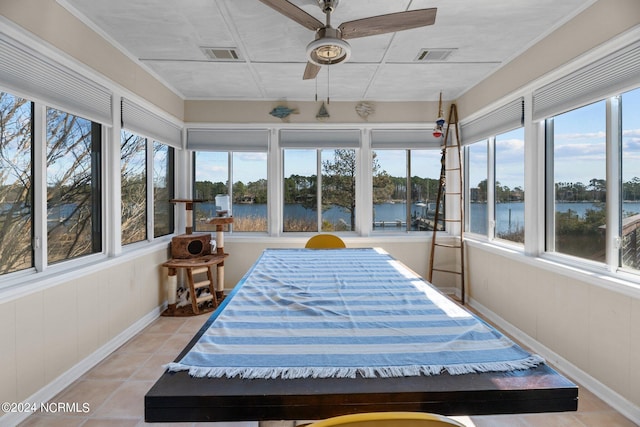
{"x":579,"y":146}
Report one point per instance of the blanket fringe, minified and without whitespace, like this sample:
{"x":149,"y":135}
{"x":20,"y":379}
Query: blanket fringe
{"x":365,"y":372}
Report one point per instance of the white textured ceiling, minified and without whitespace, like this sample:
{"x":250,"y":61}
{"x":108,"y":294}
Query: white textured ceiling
{"x":166,"y":37}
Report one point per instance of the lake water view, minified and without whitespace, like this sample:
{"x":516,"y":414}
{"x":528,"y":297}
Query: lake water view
{"x":509,"y":216}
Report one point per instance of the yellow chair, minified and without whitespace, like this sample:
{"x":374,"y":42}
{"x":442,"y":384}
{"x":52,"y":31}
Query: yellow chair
{"x":325,"y":241}
{"x":388,"y":419}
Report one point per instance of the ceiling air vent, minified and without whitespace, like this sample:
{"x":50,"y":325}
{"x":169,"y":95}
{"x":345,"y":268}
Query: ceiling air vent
{"x":433,"y":55}
{"x":221,"y":53}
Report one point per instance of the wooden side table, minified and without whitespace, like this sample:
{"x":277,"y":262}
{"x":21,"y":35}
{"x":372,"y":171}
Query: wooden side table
{"x":203,"y":264}
{"x":220,"y":222}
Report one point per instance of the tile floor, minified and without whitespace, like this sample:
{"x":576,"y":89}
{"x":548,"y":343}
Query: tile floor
{"x":114,"y":389}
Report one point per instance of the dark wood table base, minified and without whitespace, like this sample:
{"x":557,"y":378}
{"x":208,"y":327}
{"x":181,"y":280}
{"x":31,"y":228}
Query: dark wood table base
{"x":178,"y":397}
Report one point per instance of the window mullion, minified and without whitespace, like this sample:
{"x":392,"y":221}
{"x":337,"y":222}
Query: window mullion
{"x":275,"y":185}
{"x":467,"y":188}
{"x":149,"y":175}
{"x":491,"y":187}
{"x":550,"y":215}
{"x":364,"y":182}
{"x":230,"y":185}
{"x":408,"y":193}
{"x":39,"y":186}
{"x":614,"y":180}
{"x":533,"y":183}
{"x":319,"y":189}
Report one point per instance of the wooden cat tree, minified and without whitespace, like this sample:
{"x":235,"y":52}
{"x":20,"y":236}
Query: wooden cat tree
{"x":192,"y":252}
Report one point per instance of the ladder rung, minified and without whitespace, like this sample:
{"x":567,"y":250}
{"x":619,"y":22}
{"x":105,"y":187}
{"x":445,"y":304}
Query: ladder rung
{"x":199,"y":270}
{"x":202,"y":284}
{"x":207,"y":297}
{"x":457,"y":193}
{"x":450,"y":220}
{"x":445,"y":245}
{"x":453,"y":169}
{"x":446,"y":271}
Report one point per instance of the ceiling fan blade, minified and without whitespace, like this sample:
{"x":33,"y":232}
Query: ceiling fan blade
{"x":389,"y":23}
{"x":292,"y":11}
{"x":310,"y":71}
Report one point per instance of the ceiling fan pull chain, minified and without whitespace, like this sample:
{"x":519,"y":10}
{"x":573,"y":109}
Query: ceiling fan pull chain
{"x":327,"y":85}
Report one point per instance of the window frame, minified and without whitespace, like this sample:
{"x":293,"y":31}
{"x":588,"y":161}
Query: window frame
{"x":490,"y":171}
{"x":229,"y":137}
{"x":150,"y":189}
{"x":171,"y":185}
{"x":319,"y":187}
{"x":147,"y":214}
{"x":408,"y":199}
{"x":613,"y":184}
{"x":495,"y":141}
{"x":229,"y":154}
{"x":41,"y":267}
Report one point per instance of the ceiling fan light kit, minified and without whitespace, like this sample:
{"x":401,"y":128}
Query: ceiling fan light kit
{"x":328,"y":47}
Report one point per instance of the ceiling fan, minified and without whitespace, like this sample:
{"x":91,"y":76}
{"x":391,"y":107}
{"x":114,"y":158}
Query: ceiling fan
{"x":329,"y":46}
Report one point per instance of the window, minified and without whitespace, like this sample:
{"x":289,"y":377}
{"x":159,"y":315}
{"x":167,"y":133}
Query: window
{"x":336,"y":199}
{"x":393,"y":172}
{"x":16,"y":201}
{"x":249,"y":191}
{"x":630,"y":250}
{"x":577,"y":140}
{"x":133,"y":188}
{"x":509,"y":186}
{"x":73,"y":186}
{"x":477,"y":187}
{"x":300,"y":191}
{"x":248,"y":194}
{"x":163,"y":189}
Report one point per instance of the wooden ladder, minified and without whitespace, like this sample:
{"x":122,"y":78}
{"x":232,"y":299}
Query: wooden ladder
{"x":455,"y":194}
{"x":195,"y":285}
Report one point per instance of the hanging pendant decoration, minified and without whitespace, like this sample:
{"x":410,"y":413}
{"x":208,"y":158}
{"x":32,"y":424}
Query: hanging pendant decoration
{"x":283,"y":112}
{"x":437,"y":131}
{"x":323,"y":114}
{"x":364,"y":110}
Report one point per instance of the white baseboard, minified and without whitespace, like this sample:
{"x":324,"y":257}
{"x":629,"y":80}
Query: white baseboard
{"x":611,"y":397}
{"x":49,"y":391}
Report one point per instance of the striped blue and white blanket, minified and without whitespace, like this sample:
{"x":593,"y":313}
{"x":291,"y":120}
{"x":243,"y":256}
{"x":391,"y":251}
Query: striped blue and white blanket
{"x":303,"y":313}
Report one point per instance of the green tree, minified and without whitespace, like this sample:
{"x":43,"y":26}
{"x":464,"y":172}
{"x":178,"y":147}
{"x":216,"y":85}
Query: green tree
{"x":382,"y":183}
{"x":339,"y":182}
{"x":258,"y":189}
{"x":207,"y":190}
{"x":300,"y":189}
{"x":631,"y":189}
{"x":482,"y":191}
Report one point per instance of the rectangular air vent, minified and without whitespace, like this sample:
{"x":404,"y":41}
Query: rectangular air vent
{"x":433,"y":55}
{"x":221,"y":53}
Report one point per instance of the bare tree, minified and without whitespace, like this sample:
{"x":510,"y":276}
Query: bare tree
{"x":70,"y":195}
{"x":15,"y":184}
{"x":133,"y":188}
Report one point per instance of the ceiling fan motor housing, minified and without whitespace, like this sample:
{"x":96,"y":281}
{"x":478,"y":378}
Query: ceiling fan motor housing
{"x":328,"y":5}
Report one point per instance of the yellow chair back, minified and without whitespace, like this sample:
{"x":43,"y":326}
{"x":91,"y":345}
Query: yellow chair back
{"x":388,"y":419}
{"x":325,"y":241}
